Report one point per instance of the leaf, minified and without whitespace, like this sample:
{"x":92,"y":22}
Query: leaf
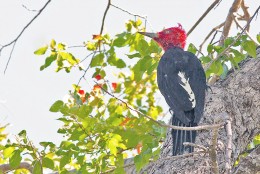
{"x":64,"y":160}
{"x":192,"y":48}
{"x":120,"y":63}
{"x":130,"y":56}
{"x":225,"y":71}
{"x":205,"y":59}
{"x":143,"y":47}
{"x":8,"y":151}
{"x":41,"y":50}
{"x":37,"y":169}
{"x":53,"y":44}
{"x":48,"y":61}
{"x":61,"y":46}
{"x":56,"y":106}
{"x":258,"y":38}
{"x":120,"y":42}
{"x":210,"y":48}
{"x":15,"y":159}
{"x":97,"y":60}
{"x":48,"y":163}
{"x":250,"y":47}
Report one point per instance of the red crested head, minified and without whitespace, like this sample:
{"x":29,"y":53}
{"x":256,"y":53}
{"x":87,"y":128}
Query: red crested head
{"x":174,"y":36}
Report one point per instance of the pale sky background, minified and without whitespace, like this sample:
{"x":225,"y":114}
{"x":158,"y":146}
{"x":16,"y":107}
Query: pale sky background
{"x":26,"y":93}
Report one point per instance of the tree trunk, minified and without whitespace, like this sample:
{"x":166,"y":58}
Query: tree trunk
{"x":236,"y":98}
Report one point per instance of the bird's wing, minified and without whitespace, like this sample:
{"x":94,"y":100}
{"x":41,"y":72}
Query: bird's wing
{"x":174,"y":84}
{"x":198,"y":81}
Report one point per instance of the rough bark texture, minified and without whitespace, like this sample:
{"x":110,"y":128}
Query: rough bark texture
{"x":236,"y":98}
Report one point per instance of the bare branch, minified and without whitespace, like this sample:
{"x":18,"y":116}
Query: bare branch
{"x":203,"y":16}
{"x":210,"y":33}
{"x":247,"y":33}
{"x":20,"y":34}
{"x":228,"y":22}
{"x":104,"y":17}
{"x":135,"y":15}
{"x":4,"y":168}
{"x":202,"y":127}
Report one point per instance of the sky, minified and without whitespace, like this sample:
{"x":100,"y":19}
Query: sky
{"x":26,"y":93}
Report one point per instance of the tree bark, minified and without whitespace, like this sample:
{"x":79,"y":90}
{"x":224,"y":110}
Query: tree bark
{"x":237,"y":98}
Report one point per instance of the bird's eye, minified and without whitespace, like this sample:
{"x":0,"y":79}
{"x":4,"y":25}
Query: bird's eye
{"x":167,"y":32}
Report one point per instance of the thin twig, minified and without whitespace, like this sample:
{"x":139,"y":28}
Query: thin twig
{"x":213,"y":151}
{"x":204,"y":15}
{"x":104,"y":17}
{"x":135,"y":15}
{"x":229,"y":147}
{"x":202,"y":127}
{"x":246,"y":31}
{"x":19,"y":35}
{"x":210,"y":33}
{"x":30,"y":10}
{"x":196,"y":145}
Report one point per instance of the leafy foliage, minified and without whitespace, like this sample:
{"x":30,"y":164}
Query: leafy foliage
{"x":100,"y":130}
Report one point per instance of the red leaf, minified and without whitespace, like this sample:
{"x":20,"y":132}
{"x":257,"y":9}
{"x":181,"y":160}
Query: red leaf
{"x":81,"y":92}
{"x":98,"y":77}
{"x":96,"y":87}
{"x":114,"y":85}
{"x":96,"y":37}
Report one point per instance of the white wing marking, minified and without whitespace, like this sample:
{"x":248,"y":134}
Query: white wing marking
{"x":187,"y":88}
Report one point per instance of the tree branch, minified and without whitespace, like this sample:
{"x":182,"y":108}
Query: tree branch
{"x":235,"y":6}
{"x":4,"y":168}
{"x":104,"y":17}
{"x":203,"y":16}
{"x":20,"y":34}
{"x":202,"y":127}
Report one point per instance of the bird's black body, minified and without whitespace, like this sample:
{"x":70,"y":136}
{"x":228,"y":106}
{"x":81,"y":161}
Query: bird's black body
{"x":182,"y":82}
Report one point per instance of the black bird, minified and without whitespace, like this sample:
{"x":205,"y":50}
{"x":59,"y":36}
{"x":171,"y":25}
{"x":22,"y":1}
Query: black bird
{"x":182,"y":81}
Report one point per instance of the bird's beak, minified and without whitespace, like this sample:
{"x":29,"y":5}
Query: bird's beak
{"x":151,"y":35}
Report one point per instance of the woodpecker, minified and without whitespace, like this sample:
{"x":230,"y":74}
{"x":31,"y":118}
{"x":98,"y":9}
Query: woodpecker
{"x":182,"y":81}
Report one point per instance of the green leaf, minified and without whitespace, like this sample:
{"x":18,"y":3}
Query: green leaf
{"x":205,"y":59}
{"x":48,"y":61}
{"x":8,"y":151}
{"x":258,"y":38}
{"x":48,"y":163}
{"x":37,"y":169}
{"x":130,"y":56}
{"x":210,"y":48}
{"x":143,"y":47}
{"x":53,"y":44}
{"x":64,"y":160}
{"x":15,"y":159}
{"x":238,"y":57}
{"x":41,"y":50}
{"x":120,"y":63}
{"x":250,"y":47}
{"x":97,"y":60}
{"x":61,"y":46}
{"x":192,"y":48}
{"x":56,"y":106}
{"x":225,"y":71}
{"x":120,"y":42}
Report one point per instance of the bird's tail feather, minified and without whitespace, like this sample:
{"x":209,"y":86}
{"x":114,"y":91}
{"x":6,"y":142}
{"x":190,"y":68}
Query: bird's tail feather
{"x":181,"y":136}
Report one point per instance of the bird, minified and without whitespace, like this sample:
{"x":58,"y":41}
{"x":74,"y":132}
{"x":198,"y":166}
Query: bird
{"x":182,"y":81}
